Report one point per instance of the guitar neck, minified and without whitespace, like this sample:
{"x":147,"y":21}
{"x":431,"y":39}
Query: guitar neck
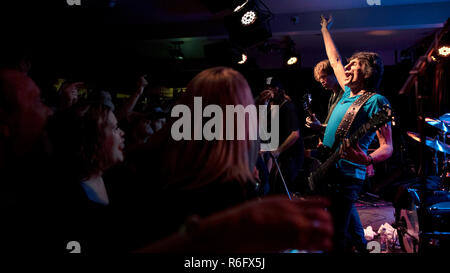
{"x":335,"y":156}
{"x":307,"y":104}
{"x":362,"y":131}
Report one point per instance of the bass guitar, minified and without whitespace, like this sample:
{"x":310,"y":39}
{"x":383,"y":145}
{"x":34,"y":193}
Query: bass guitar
{"x":320,"y":180}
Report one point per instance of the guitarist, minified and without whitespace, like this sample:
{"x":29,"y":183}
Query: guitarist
{"x":323,"y":73}
{"x":361,"y":75}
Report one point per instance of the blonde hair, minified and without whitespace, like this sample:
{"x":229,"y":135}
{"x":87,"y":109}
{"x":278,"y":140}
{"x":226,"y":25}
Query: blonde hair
{"x":191,"y":164}
{"x":322,"y":66}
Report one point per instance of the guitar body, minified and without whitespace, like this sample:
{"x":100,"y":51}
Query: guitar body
{"x":321,"y":180}
{"x":316,"y":184}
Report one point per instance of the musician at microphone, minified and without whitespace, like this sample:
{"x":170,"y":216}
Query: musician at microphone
{"x":359,"y":79}
{"x":290,"y":152}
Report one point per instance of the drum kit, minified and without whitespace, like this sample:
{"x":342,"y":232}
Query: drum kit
{"x":428,"y":229}
{"x":439,"y":145}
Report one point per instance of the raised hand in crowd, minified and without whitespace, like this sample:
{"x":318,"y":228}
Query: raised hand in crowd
{"x":126,"y":109}
{"x":142,"y":83}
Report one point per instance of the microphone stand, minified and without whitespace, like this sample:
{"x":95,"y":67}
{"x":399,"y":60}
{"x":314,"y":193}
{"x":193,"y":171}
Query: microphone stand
{"x":278,"y":168}
{"x":281,"y":175}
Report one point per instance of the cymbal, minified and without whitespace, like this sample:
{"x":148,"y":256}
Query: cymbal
{"x":441,"y":125}
{"x":445,"y":117}
{"x":432,"y":143}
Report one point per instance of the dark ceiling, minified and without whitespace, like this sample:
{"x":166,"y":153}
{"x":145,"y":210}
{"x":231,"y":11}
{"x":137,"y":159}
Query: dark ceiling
{"x":384,"y":26}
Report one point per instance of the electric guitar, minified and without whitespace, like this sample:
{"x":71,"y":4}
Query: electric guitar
{"x":307,"y":100}
{"x":320,"y":180}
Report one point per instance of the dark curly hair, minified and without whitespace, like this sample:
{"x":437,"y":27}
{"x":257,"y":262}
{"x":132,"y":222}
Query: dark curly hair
{"x":77,"y":135}
{"x":372,"y":68}
{"x":93,"y":120}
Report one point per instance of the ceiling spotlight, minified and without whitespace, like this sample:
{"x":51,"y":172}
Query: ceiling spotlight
{"x":249,"y":24}
{"x":292,"y":60}
{"x":444,"y":51}
{"x":248,"y":18}
{"x":290,"y":55}
{"x":243,"y":60}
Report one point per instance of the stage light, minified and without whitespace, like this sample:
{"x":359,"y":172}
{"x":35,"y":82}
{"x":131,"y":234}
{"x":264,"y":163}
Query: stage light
{"x":290,"y":57}
{"x":243,"y":60}
{"x":444,"y":51}
{"x":249,"y":23}
{"x":239,"y":7}
{"x":292,"y":60}
{"x":442,"y":48}
{"x":225,"y":53}
{"x":248,"y":18}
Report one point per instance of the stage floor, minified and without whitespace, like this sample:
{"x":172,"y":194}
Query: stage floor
{"x":375,"y":212}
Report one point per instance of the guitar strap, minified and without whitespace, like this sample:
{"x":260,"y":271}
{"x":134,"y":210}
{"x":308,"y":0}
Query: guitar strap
{"x":350,"y":115}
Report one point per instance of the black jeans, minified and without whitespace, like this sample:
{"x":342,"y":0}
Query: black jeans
{"x":346,"y":221}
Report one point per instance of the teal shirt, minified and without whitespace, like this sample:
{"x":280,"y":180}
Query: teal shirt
{"x":372,"y":106}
